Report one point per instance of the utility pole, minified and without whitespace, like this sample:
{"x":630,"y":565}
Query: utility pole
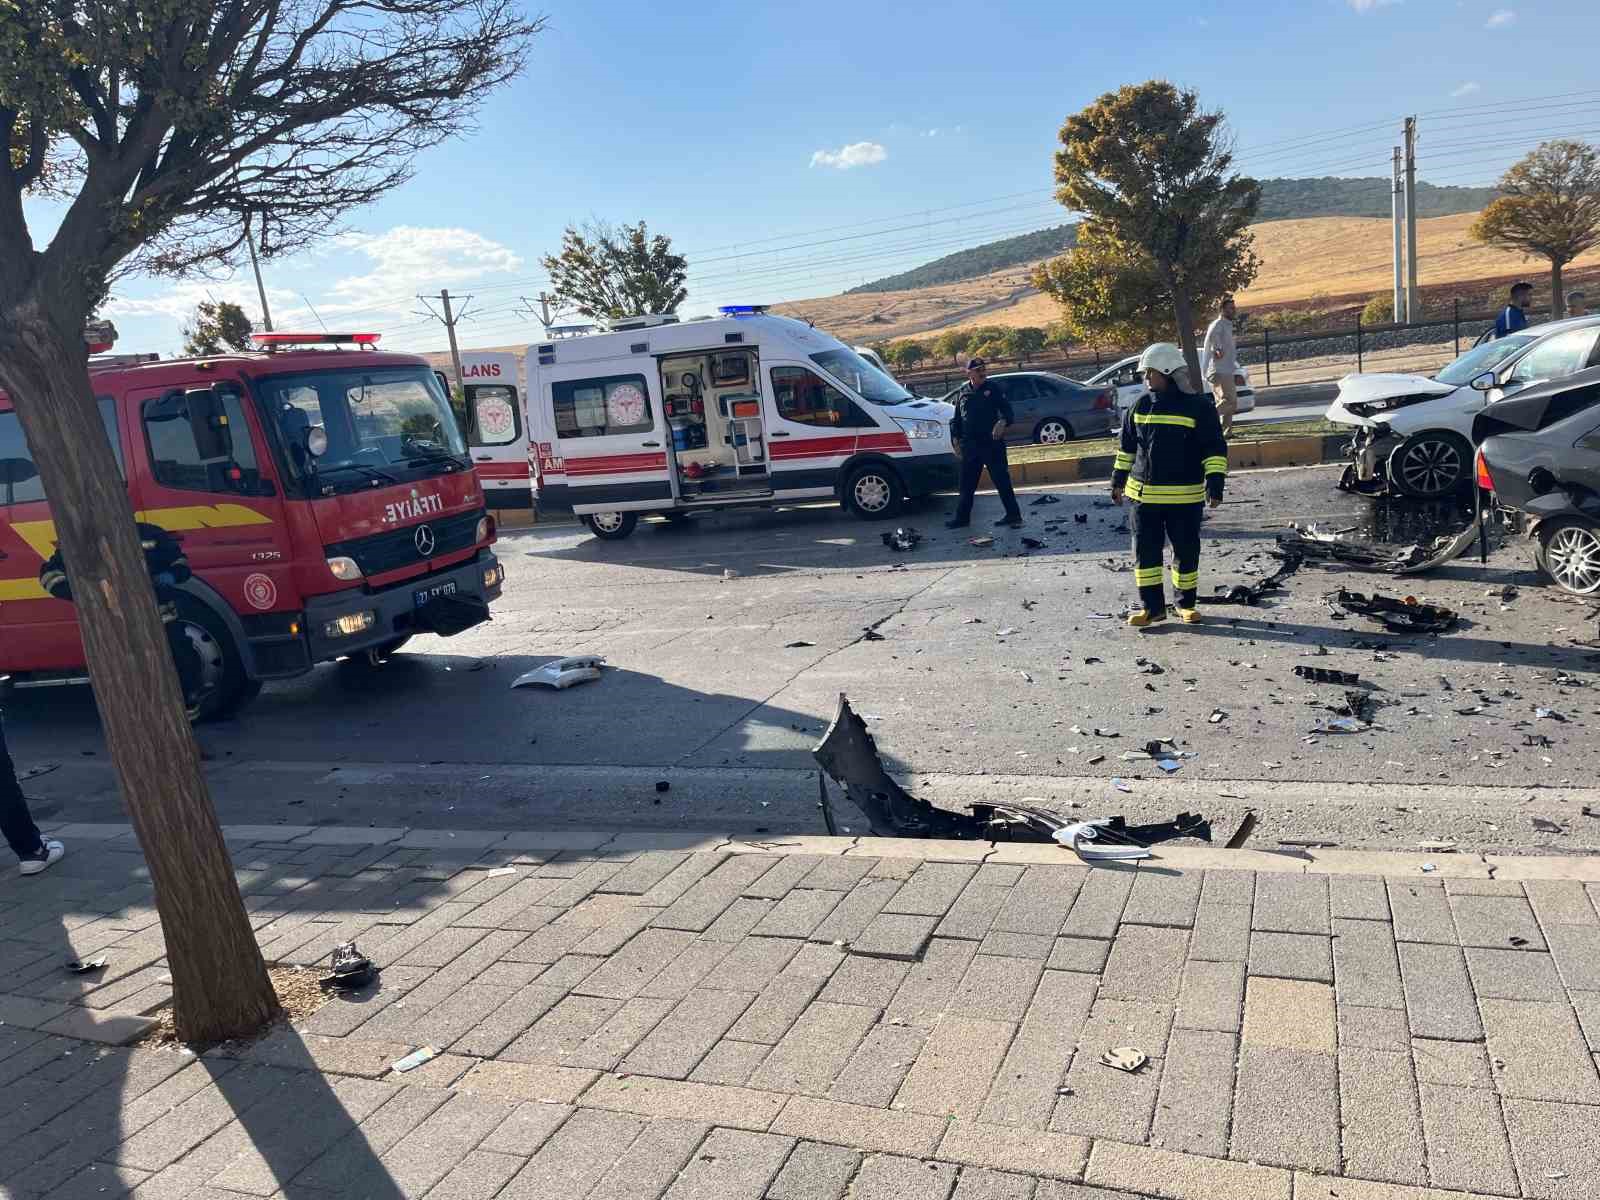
{"x":250,"y":240}
{"x":449,"y":321}
{"x":1400,"y":313}
{"x":1413,"y":302}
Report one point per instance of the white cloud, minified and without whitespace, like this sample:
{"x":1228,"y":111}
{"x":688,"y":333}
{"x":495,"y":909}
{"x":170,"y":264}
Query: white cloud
{"x":1466,"y":89}
{"x":1500,"y":18}
{"x":856,"y":154}
{"x":1362,"y":6}
{"x":409,"y":259}
{"x":930,"y":132}
{"x":177,"y":303}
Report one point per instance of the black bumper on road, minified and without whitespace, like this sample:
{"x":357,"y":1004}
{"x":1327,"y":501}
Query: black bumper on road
{"x":398,"y":612}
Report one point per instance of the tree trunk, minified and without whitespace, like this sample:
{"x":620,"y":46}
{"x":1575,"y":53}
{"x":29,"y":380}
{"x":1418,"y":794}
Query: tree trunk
{"x":1183,"y":312}
{"x":1558,"y":292}
{"x":220,"y":984}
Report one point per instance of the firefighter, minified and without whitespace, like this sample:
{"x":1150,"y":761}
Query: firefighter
{"x":1171,"y":462}
{"x":169,"y":570}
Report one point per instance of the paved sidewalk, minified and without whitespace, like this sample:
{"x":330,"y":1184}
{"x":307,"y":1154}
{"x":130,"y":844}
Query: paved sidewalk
{"x":642,"y":1016}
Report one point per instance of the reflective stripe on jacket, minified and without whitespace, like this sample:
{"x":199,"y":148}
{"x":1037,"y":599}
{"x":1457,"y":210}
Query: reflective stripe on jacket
{"x":1171,"y":450}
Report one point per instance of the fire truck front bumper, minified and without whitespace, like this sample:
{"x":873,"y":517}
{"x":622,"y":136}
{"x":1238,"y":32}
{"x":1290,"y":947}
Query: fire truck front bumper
{"x":444,"y":602}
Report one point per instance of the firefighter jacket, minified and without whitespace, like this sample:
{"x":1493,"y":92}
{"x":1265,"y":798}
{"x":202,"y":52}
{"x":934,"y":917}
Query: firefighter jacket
{"x":163,"y":558}
{"x":1172,"y":450}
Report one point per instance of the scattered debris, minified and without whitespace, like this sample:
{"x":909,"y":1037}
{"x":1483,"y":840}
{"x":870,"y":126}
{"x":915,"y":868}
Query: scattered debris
{"x":1324,"y":675}
{"x":1537,"y":740}
{"x":1398,"y":616}
{"x":497,"y":872}
{"x":901,"y":538}
{"x":1081,"y":518}
{"x":981,"y":542}
{"x":1217,"y":716}
{"x":1251,"y":594}
{"x":1147,"y":667}
{"x":1517,"y":941}
{"x":1437,"y":847}
{"x":1408,"y":560}
{"x":1168,"y":765}
{"x":1047,"y":498}
{"x":1124,"y":1058}
{"x":415,"y":1059}
{"x":1546,"y":826}
{"x":1007,"y":631}
{"x":350,"y":969}
{"x":37,"y":770}
{"x":85,"y":967}
{"x":1357,"y":705}
{"x":663,"y":785}
{"x":562,"y":673}
{"x":1033,"y":543}
{"x":1429,"y":868}
{"x":800,"y":645}
{"x":1342,"y":725}
{"x":1307,"y":843}
{"x":1548,"y":714}
{"x":1247,"y":826}
{"x":870,"y":633}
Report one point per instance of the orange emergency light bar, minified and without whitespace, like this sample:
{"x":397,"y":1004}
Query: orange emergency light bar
{"x":269,"y":341}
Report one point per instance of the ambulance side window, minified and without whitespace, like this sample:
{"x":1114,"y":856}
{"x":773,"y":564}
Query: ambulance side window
{"x":809,"y":399}
{"x":602,"y":407}
{"x":19,"y":477}
{"x":492,"y":409}
{"x":175,"y":460}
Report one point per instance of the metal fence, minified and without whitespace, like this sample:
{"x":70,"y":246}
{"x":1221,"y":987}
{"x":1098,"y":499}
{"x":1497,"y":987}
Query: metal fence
{"x":1307,"y":356}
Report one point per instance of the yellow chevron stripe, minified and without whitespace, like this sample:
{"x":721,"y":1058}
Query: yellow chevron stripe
{"x":1163,"y":419}
{"x":21,"y":589}
{"x":41,"y":535}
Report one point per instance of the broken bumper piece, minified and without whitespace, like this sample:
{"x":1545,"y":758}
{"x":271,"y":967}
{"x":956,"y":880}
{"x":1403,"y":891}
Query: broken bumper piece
{"x":1402,"y":560}
{"x":562,"y":673}
{"x":1398,"y":616}
{"x":849,"y":755}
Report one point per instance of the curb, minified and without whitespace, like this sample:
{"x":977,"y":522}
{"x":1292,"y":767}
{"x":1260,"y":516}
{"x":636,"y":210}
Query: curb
{"x":601,"y":842}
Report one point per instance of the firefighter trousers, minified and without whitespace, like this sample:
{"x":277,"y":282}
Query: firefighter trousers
{"x":1154,"y":525}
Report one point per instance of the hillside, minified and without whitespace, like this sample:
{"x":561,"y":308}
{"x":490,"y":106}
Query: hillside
{"x":1294,"y":199}
{"x":979,"y":260}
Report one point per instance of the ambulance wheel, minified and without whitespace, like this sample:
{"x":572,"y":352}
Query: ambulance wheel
{"x":611,"y":526}
{"x":219,"y":686}
{"x":873,"y":492}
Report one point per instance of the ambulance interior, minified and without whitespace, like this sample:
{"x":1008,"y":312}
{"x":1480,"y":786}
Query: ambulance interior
{"x":714,"y":410}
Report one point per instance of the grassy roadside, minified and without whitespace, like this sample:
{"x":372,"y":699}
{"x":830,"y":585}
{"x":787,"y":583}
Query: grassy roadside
{"x":1242,"y":434}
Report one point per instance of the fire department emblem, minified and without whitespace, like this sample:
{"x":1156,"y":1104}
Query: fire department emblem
{"x":260,"y":592}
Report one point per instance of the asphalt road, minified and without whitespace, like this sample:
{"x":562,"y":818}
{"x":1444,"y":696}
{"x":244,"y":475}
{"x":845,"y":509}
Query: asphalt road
{"x":729,"y":642}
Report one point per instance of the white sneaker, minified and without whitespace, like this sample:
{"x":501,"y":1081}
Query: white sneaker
{"x":53,"y":850}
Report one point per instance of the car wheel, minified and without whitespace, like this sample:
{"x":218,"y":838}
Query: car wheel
{"x":1052,"y":432}
{"x":873,"y":492}
{"x":611,"y":526}
{"x":1429,"y":465}
{"x":1569,"y":552}
{"x":210,"y":664}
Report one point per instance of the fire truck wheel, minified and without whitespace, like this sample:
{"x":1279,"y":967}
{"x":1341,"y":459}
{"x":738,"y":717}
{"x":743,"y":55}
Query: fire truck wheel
{"x":220,"y":687}
{"x":611,"y":526}
{"x":873,"y":492}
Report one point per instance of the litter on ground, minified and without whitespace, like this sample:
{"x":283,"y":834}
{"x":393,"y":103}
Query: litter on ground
{"x":562,"y":673}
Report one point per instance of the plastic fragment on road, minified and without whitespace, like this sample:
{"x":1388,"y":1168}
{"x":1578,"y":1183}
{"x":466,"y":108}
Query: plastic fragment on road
{"x":982,"y":543}
{"x":1429,"y":868}
{"x":1168,"y":765}
{"x":1047,"y":498}
{"x":499,"y":871}
{"x":1217,"y":717}
{"x":563,"y":673}
{"x":1124,"y":1058}
{"x":1544,"y":825}
{"x":348,"y":969}
{"x":901,"y":538}
{"x":415,"y":1059}
{"x":1409,"y":615}
{"x":1548,"y":714}
{"x":1324,"y":675}
{"x":1342,"y":725}
{"x":800,"y":645}
{"x":86,"y":966}
{"x":1033,"y":543}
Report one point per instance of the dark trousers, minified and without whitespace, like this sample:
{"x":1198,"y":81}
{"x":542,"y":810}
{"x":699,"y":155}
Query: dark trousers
{"x":1154,"y":525}
{"x":974,"y":458}
{"x":15,"y":820}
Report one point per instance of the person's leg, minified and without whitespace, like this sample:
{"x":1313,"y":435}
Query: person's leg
{"x":1183,"y":531}
{"x":1000,"y":472}
{"x":21,"y":834}
{"x":1148,"y":545}
{"x":971,"y":468}
{"x":1226,"y":394}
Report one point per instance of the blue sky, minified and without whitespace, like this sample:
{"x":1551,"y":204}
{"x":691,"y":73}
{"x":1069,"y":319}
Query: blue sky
{"x":795,"y":150}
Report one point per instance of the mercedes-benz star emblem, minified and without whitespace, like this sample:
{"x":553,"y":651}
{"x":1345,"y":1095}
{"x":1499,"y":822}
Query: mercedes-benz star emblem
{"x":424,"y":540}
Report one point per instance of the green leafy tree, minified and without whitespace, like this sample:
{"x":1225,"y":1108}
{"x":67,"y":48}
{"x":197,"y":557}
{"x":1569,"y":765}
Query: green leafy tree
{"x":217,"y":325}
{"x":952,"y":343}
{"x":606,"y":272}
{"x":1029,"y":339}
{"x":158,"y":128}
{"x":1059,"y":335}
{"x":1154,"y":174}
{"x":1379,"y":310}
{"x":906,"y":354}
{"x":1549,"y":207}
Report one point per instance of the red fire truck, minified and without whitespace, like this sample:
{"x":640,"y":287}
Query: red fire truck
{"x":320,"y":489}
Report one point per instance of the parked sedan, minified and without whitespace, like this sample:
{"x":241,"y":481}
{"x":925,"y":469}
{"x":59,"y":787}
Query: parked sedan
{"x":1540,"y":455}
{"x":1050,"y":409}
{"x":1124,"y":375}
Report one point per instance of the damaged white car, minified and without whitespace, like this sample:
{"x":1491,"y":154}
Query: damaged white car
{"x":1413,"y":434}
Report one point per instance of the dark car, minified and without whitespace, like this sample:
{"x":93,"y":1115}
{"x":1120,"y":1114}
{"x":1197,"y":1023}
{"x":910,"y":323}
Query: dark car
{"x":1539,"y":452}
{"x":1051,"y":409}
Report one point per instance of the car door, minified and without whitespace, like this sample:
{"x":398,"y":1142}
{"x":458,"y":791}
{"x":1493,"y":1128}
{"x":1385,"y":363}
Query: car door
{"x":223,"y":504}
{"x":1023,"y":394}
{"x":612,"y":430}
{"x":816,"y":427}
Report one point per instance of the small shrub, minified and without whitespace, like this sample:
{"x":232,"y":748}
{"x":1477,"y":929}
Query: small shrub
{"x":1379,"y":310}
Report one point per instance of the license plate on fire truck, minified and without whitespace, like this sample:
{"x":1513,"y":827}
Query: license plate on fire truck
{"x":424,"y":595}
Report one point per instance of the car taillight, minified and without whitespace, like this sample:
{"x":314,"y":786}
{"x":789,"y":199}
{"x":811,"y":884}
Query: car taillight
{"x":1104,"y":400}
{"x":1485,"y":480}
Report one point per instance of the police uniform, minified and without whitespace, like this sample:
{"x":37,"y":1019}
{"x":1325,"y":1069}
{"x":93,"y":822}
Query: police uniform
{"x":1172,"y":455}
{"x":977,"y":410}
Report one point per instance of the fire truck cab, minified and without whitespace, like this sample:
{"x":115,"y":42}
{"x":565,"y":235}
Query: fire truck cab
{"x":321,"y":491}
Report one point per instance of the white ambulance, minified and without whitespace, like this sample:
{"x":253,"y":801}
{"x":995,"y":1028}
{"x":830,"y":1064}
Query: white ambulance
{"x":657,"y":415}
{"x":496,"y":428}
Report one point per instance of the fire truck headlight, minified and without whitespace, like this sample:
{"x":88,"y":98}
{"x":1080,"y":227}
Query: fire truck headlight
{"x":350,"y":624}
{"x":492,"y":576}
{"x":344,"y":568}
{"x":484,"y":531}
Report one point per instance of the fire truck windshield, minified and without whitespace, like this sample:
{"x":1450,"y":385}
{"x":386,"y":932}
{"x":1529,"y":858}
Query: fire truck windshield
{"x":389,"y":424}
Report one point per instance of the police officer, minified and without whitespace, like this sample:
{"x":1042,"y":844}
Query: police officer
{"x":169,"y":570}
{"x":1172,"y":461}
{"x":979,"y":432}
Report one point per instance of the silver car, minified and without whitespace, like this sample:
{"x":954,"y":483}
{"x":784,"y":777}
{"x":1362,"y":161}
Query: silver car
{"x":1049,"y":409}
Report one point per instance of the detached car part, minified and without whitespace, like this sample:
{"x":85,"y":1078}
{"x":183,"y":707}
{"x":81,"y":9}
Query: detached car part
{"x":901,"y":538}
{"x":563,"y":673}
{"x":1324,"y":675}
{"x":1251,"y":594}
{"x":1397,"y":616}
{"x":848,"y":753}
{"x":1405,"y":560}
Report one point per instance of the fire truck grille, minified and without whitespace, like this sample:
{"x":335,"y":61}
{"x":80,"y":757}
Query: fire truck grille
{"x":400,"y":547}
